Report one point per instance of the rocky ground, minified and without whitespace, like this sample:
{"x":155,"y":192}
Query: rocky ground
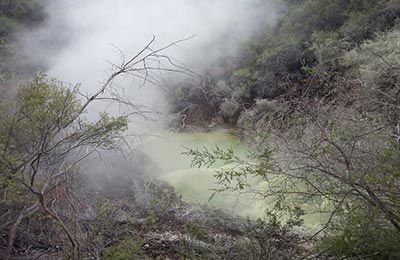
{"x":132,"y":217}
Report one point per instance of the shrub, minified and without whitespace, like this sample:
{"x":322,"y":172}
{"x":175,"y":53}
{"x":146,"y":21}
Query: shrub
{"x":375,"y":56}
{"x":374,"y":18}
{"x":16,"y":13}
{"x":128,"y":249}
{"x":362,"y":234}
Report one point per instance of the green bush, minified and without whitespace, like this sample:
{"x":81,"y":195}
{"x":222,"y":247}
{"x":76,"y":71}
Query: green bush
{"x":196,"y":231}
{"x":128,"y":249}
{"x":17,"y":13}
{"x":372,"y":18}
{"x":362,"y":234}
{"x":375,"y":56}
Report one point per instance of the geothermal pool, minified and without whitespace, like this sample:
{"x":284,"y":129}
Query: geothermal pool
{"x":195,"y":185}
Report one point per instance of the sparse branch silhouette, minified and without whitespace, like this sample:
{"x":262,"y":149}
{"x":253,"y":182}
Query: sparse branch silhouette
{"x":55,"y":130}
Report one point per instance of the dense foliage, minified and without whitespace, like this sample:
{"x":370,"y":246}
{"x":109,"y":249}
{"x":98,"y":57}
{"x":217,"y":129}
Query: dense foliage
{"x":320,"y":93}
{"x":282,"y":63}
{"x":16,"y":16}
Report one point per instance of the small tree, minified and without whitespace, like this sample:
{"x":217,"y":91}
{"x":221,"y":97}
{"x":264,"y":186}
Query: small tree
{"x":44,"y":134}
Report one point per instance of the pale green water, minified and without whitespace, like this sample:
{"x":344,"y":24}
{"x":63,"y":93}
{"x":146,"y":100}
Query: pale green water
{"x":194,"y":184}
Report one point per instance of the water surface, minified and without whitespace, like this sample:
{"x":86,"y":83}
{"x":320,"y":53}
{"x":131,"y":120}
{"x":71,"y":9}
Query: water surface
{"x":196,"y":184}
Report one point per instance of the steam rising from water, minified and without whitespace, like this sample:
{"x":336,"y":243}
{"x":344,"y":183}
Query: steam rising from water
{"x":79,"y":36}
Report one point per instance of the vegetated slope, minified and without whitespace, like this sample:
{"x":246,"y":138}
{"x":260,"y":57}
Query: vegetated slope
{"x":16,"y":16}
{"x":319,"y":95}
{"x":301,"y":56}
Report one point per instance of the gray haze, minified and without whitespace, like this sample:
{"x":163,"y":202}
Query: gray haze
{"x":79,"y":37}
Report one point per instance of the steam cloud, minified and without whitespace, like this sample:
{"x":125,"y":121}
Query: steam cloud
{"x":79,"y":35}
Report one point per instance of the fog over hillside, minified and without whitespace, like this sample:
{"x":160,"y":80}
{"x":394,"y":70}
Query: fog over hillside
{"x":81,"y":38}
